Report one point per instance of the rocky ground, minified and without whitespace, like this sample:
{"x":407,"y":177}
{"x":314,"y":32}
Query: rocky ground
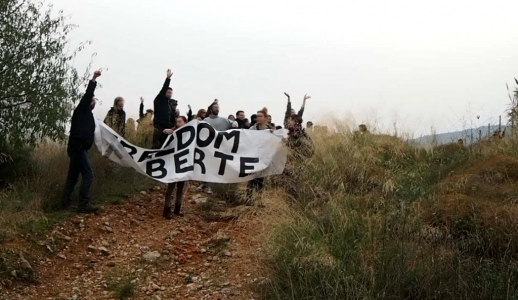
{"x":130,"y":252}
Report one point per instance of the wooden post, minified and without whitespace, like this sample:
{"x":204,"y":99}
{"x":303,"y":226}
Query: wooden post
{"x":500,"y":123}
{"x":488,"y":130}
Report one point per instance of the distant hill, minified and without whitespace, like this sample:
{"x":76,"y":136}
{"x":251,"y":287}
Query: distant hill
{"x":450,"y":137}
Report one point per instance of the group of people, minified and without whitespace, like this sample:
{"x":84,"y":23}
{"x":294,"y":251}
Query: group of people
{"x":155,"y":125}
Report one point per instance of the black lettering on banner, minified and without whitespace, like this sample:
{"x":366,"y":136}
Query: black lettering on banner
{"x":224,"y":157}
{"x":164,"y":152}
{"x":154,"y":166}
{"x":199,"y":161}
{"x":243,"y":165}
{"x":148,"y":154}
{"x":169,"y":140}
{"x":132,"y":148}
{"x":228,"y":135}
{"x":212,"y":134}
{"x":179,"y":134}
{"x":178,"y":162}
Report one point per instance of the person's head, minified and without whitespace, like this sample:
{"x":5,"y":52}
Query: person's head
{"x":269,"y":118}
{"x":293,"y":112}
{"x":295,"y":120}
{"x":262,"y":116}
{"x":149,"y":112}
{"x":460,"y":142}
{"x":118,"y":103}
{"x":309,"y":124}
{"x":169,"y":93}
{"x":231,"y":117}
{"x":247,"y":122}
{"x":180,"y":121}
{"x":201,"y":113}
{"x":362,"y":128}
{"x":253,"y":119}
{"x":240,"y":115}
{"x":213,"y":109}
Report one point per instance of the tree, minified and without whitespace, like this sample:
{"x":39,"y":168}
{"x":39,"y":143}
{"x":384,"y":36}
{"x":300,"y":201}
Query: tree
{"x":38,"y":84}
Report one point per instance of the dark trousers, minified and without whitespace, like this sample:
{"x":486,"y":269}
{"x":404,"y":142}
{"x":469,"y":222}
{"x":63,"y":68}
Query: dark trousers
{"x":79,"y":164}
{"x":179,"y":193}
{"x":256,"y":184}
{"x":159,"y":137}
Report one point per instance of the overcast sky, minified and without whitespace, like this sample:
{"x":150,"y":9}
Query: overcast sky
{"x":420,"y":64}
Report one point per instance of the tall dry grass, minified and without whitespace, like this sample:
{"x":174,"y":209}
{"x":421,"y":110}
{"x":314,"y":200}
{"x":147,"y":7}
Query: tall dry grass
{"x":378,"y":218}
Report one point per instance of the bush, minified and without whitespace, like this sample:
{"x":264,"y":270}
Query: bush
{"x":381,"y":219}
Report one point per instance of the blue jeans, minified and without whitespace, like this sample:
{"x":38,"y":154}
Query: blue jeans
{"x":79,"y":164}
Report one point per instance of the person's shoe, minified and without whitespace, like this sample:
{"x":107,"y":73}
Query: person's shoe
{"x":88,"y":209}
{"x":168,"y":214}
{"x":209,"y":191}
{"x":178,"y":210}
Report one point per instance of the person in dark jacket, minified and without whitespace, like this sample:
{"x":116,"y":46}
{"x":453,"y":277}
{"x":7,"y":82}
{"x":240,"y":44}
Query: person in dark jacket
{"x":163,"y":113}
{"x":291,"y":112}
{"x":240,"y":119}
{"x":181,"y":186}
{"x":253,"y":120}
{"x":80,"y":141}
{"x":116,"y":117}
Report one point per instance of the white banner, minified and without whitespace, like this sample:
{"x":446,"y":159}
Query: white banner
{"x":198,"y":152}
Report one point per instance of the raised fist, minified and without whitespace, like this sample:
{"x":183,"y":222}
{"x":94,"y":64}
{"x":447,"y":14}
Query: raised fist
{"x":169,"y":73}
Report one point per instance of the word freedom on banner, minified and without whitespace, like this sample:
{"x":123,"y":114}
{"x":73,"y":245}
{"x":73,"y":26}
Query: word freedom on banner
{"x":196,"y":151}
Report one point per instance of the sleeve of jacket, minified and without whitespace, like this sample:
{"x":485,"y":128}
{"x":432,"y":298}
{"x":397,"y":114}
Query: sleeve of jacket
{"x":122,"y":125}
{"x":301,"y":112}
{"x":165,"y":87}
{"x":141,"y":110}
{"x":287,"y":115}
{"x":189,"y":115}
{"x":86,"y":101}
{"x":108,"y":120}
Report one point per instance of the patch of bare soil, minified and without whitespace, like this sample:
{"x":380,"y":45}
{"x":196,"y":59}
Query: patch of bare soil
{"x":131,"y":252}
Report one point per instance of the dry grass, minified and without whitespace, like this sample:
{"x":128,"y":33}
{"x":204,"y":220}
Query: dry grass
{"x":33,"y":183}
{"x":378,"y":218}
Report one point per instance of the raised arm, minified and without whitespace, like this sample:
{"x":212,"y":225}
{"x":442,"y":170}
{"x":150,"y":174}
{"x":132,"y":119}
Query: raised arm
{"x":287,"y":115}
{"x":86,"y":101}
{"x":141,"y":108}
{"x":189,"y":113}
{"x":166,"y":83}
{"x":301,"y":111}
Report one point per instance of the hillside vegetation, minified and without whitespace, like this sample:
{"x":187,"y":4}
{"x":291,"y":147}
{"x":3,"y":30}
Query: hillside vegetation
{"x":380,"y":219}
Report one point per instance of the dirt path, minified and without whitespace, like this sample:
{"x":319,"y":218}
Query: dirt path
{"x":130,"y":247}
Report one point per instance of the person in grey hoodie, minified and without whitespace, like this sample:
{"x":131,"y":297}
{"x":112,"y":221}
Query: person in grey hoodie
{"x":217,"y":122}
{"x":257,"y":184}
{"x":220,"y":124}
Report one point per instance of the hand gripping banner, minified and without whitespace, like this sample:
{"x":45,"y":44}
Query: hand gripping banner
{"x":196,"y":151}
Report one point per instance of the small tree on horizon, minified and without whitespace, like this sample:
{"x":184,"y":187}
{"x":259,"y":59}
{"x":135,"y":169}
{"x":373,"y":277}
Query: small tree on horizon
{"x":512,"y":111}
{"x":38,"y":84}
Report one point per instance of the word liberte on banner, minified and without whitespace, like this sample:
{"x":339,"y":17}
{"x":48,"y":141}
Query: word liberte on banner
{"x":196,"y":151}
